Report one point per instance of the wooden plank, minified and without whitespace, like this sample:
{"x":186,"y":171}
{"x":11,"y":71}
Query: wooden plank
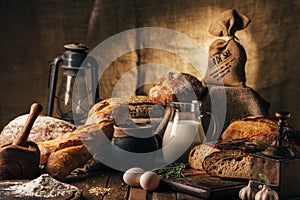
{"x":119,"y":188}
{"x":95,"y":179}
{"x":163,"y":195}
{"x":137,"y":193}
{"x":182,"y":196}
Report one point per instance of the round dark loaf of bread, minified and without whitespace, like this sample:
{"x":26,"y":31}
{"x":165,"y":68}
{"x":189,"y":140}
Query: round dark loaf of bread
{"x":44,"y":128}
{"x":180,"y":87}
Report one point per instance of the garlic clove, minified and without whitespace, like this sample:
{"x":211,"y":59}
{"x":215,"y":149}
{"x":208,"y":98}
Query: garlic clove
{"x":248,"y":192}
{"x":266,"y":193}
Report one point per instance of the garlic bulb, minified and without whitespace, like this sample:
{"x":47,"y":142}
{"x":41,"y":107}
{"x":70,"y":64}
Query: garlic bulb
{"x":266,"y":193}
{"x":248,"y":192}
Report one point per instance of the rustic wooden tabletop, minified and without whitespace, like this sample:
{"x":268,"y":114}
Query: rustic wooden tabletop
{"x":105,"y":183}
{"x":111,"y":183}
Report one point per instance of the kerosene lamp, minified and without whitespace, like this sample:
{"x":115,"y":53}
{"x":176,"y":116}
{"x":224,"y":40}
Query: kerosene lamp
{"x":278,"y":166}
{"x":77,"y":91}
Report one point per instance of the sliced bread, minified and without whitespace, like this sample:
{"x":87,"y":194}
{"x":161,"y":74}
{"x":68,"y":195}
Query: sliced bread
{"x":228,"y":164}
{"x":226,"y":158}
{"x":198,"y":153}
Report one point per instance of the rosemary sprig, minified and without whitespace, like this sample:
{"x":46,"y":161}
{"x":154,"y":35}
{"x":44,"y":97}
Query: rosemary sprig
{"x":174,"y":170}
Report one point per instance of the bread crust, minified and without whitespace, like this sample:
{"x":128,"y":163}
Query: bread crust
{"x":263,"y":130}
{"x":122,"y":108}
{"x":178,"y":87}
{"x":228,"y":164}
{"x":226,"y":158}
{"x":63,"y":161}
{"x":242,"y":136}
{"x":259,"y":128}
{"x":198,"y":154}
{"x":74,"y":138}
{"x":44,"y":128}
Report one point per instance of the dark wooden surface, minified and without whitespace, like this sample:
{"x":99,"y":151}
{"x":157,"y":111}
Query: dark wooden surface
{"x":109,"y":178}
{"x":104,"y":178}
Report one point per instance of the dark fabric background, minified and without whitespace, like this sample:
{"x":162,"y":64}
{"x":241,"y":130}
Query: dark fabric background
{"x":33,"y":32}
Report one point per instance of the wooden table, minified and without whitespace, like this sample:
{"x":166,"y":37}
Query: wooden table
{"x":105,"y":178}
{"x":109,"y":178}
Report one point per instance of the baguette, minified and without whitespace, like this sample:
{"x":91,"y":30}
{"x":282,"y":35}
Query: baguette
{"x":49,"y":146}
{"x":63,"y":161}
{"x":74,"y":138}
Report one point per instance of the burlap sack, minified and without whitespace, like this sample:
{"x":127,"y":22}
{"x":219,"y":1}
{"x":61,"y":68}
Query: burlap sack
{"x":227,"y":58}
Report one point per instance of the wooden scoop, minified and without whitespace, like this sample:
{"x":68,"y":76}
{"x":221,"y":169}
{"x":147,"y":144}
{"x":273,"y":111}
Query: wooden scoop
{"x":22,"y":137}
{"x":20,"y":160}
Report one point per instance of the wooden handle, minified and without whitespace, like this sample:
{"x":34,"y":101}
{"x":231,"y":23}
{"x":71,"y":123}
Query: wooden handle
{"x":21,"y":139}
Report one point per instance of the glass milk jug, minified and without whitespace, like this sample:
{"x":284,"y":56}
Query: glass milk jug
{"x":184,"y":131}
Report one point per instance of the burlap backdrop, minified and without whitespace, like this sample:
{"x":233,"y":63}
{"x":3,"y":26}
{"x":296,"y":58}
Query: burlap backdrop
{"x":34,"y":32}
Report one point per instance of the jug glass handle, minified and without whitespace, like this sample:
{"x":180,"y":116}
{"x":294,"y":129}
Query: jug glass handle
{"x":159,"y":131}
{"x":211,"y":136}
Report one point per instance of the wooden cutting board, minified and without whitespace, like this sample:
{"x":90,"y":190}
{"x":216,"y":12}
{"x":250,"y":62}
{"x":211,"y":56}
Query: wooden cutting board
{"x":200,"y":184}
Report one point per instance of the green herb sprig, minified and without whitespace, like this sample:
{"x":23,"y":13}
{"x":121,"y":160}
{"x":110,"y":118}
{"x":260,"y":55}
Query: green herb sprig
{"x":174,"y":170}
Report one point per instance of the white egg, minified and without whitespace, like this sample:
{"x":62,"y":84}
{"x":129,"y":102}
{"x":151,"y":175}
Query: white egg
{"x":132,"y":176}
{"x":149,"y":181}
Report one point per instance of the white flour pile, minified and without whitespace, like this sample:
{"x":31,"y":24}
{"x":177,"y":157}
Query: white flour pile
{"x":44,"y":186}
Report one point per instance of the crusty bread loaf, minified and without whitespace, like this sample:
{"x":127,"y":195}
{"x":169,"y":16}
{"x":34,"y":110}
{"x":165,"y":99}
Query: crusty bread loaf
{"x":228,"y":164}
{"x":44,"y":128}
{"x":247,"y":145}
{"x":63,"y":161}
{"x":74,"y":138}
{"x":198,"y":153}
{"x":71,"y":152}
{"x":178,"y":87}
{"x":263,"y":130}
{"x":49,"y":146}
{"x":242,"y":136}
{"x":120,"y":109}
{"x":227,"y":158}
{"x":260,"y":128}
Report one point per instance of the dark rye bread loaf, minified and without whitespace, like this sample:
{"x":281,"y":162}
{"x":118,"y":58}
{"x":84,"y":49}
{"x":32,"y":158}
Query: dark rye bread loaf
{"x":227,"y":159}
{"x":198,"y":154}
{"x":228,"y":164}
{"x":122,"y":108}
